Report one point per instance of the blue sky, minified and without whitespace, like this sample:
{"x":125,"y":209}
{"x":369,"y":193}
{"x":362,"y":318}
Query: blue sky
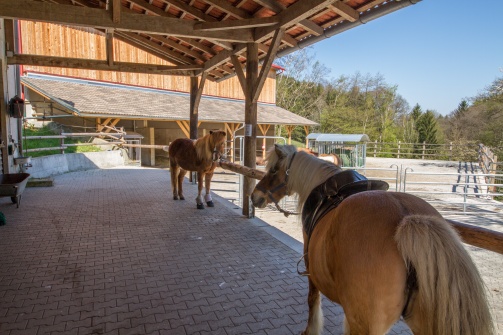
{"x":436,"y":52}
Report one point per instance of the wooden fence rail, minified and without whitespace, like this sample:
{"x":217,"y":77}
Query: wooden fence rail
{"x":450,"y":151}
{"x":473,"y":235}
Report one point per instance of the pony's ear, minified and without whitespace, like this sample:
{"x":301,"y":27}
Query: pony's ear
{"x":279,"y":150}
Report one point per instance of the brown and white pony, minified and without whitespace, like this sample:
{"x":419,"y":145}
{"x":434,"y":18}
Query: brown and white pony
{"x":380,"y":255}
{"x":200,"y":156}
{"x":332,"y":158}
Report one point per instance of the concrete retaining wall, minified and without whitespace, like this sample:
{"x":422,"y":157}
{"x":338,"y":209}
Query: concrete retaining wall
{"x":46,"y":166}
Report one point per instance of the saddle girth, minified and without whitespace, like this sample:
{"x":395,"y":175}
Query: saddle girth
{"x":332,"y":192}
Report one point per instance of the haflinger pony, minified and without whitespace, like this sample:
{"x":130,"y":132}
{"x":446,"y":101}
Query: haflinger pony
{"x":332,"y":158}
{"x":380,"y":255}
{"x":200,"y":156}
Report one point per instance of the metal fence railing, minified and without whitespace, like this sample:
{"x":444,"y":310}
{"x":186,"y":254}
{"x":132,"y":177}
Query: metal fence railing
{"x":466,"y":151}
{"x":450,"y":193}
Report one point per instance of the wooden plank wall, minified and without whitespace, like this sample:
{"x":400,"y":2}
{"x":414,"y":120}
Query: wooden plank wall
{"x":39,"y":38}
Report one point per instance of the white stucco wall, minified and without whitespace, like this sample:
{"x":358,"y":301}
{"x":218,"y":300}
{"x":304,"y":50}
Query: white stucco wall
{"x":43,"y":167}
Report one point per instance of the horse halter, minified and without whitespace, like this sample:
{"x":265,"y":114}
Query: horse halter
{"x":270,"y":193}
{"x":216,"y":154}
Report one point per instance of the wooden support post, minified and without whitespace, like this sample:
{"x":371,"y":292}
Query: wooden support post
{"x":4,"y":118}
{"x":110,"y":46}
{"x":196,"y":91}
{"x":116,"y":11}
{"x":306,"y":130}
{"x":193,"y":108}
{"x":252,"y":89}
{"x":289,"y":130}
{"x":10,"y":48}
{"x":493,"y":166}
{"x":264,"y":129}
{"x":250,"y":144}
{"x":232,"y":128}
{"x":152,"y":142}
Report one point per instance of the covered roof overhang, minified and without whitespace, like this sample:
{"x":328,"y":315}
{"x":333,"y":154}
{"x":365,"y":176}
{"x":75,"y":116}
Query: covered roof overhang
{"x":87,"y":98}
{"x":202,"y":36}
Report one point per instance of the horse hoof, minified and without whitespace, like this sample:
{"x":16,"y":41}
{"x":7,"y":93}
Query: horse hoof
{"x":182,"y":198}
{"x":210,"y":204}
{"x":175,"y":197}
{"x":200,"y":206}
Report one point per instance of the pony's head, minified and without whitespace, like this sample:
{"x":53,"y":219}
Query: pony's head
{"x":217,"y":140}
{"x":274,"y":185}
{"x":212,"y":146}
{"x":290,"y":171}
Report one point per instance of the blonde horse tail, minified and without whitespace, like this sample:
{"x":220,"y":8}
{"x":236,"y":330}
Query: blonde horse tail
{"x":450,"y":297}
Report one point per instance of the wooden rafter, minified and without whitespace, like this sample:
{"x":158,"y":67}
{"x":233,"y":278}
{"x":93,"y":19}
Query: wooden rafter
{"x":79,"y":63}
{"x":293,"y":15}
{"x":206,"y":33}
{"x":95,"y":17}
{"x":345,"y":11}
{"x":266,"y":65}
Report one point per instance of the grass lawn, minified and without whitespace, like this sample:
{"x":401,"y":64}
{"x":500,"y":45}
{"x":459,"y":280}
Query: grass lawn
{"x":52,"y":142}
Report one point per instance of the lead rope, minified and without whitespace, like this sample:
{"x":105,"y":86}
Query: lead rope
{"x":284,"y":211}
{"x":303,"y":273}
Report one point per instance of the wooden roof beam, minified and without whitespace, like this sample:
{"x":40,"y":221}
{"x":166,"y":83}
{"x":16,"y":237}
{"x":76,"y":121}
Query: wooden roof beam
{"x":236,"y":24}
{"x":226,"y":7}
{"x":278,"y":8}
{"x":293,"y":15}
{"x":157,"y":11}
{"x":345,"y":11}
{"x":100,"y":18}
{"x":102,"y":65}
{"x":266,"y":65}
{"x":148,"y":45}
{"x":184,"y":7}
{"x":223,"y":57}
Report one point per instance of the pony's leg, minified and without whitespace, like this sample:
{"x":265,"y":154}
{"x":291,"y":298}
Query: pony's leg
{"x":207,"y":195}
{"x":199,"y":199}
{"x":315,"y":320}
{"x":181,"y":175}
{"x":175,"y":170}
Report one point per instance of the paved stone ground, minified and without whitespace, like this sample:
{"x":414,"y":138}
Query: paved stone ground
{"x":109,"y":252}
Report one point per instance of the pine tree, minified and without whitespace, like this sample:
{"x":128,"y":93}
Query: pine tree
{"x":427,"y":128}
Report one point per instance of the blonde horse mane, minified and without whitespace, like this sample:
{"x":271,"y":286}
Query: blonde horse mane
{"x":204,"y":147}
{"x":306,"y":171}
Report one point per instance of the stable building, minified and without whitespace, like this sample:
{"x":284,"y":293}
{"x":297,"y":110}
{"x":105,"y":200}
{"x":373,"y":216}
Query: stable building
{"x":159,"y":116}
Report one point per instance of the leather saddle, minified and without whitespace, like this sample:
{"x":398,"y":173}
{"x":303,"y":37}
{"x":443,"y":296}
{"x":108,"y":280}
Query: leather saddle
{"x":332,"y":192}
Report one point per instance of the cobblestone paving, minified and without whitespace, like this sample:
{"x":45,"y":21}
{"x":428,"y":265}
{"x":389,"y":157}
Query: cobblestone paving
{"x":109,"y":252}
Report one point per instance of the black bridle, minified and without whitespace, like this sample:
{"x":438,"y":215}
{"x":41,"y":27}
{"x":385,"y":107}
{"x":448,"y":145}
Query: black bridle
{"x":283,"y":184}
